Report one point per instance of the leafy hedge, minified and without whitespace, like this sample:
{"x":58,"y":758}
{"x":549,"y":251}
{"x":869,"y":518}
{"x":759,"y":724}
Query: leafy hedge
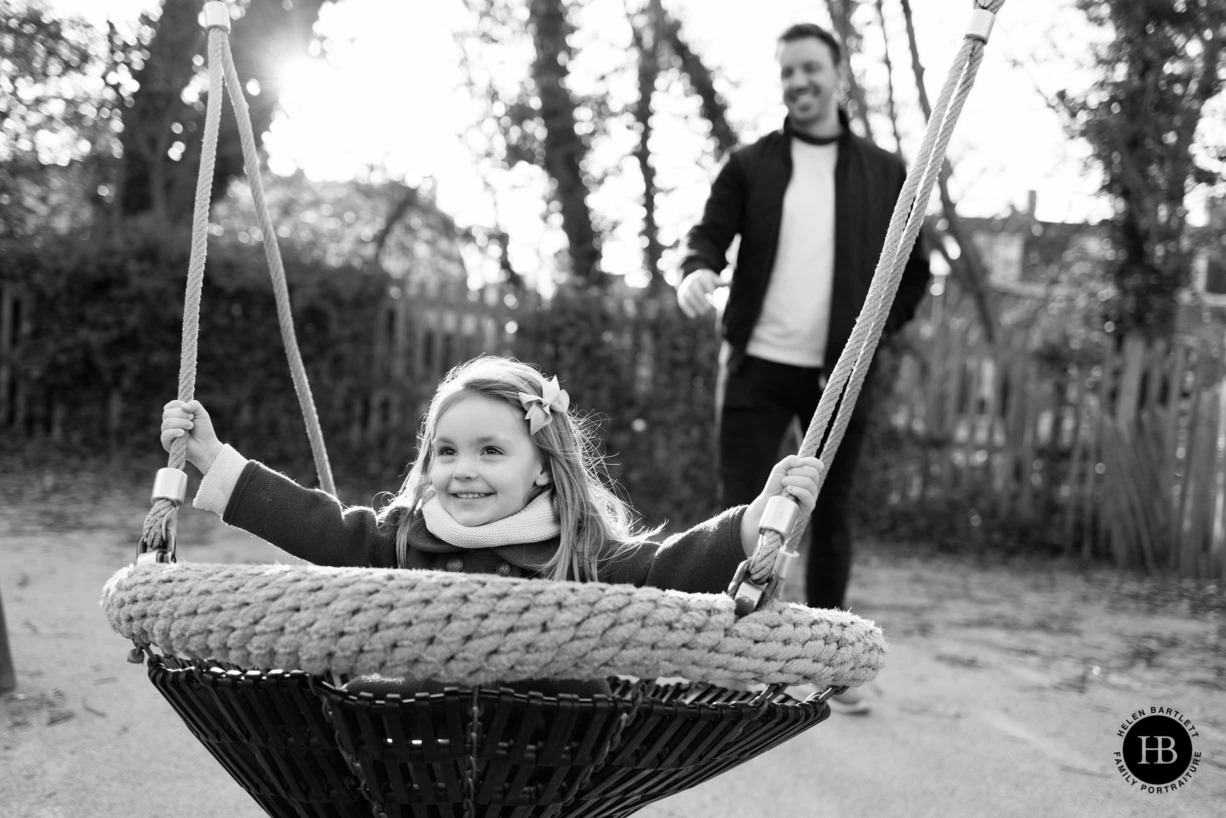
{"x":100,"y":356}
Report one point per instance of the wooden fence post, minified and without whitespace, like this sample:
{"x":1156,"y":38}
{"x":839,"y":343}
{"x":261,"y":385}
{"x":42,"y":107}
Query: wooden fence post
{"x":8,"y":675}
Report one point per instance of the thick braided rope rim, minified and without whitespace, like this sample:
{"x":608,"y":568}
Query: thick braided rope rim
{"x":474,"y":629}
{"x":161,"y":515}
{"x":843,"y":387}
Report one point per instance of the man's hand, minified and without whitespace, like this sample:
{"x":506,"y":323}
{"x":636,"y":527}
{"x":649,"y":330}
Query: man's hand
{"x":694,"y":294}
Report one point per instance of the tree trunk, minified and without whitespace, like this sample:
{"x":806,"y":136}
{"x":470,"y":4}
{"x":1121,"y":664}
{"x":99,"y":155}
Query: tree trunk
{"x":646,"y":29}
{"x":494,"y":103}
{"x":155,"y":180}
{"x":402,"y":204}
{"x":156,"y":106}
{"x":714,"y":109}
{"x":891,"y":96}
{"x":564,"y":149}
{"x":969,"y":265}
{"x":840,"y":16}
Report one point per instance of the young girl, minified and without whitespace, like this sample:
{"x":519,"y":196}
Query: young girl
{"x":506,"y":481}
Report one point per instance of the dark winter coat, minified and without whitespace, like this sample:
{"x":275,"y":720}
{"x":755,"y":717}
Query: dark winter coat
{"x":747,"y":200}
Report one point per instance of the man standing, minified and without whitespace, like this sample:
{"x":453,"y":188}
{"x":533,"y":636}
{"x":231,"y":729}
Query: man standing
{"x":812,"y":204}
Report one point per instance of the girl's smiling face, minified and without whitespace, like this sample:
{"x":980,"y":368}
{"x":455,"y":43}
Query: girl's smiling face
{"x":483,"y":465}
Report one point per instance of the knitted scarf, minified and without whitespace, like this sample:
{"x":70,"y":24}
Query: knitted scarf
{"x":533,"y":523}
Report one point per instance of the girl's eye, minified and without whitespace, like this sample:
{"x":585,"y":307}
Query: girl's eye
{"x":444,"y":451}
{"x":492,"y":450}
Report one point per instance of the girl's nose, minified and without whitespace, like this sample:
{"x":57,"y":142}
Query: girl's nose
{"x":465,"y":469}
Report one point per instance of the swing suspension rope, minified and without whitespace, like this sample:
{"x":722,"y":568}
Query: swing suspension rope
{"x":158,"y":540}
{"x":775,"y":547}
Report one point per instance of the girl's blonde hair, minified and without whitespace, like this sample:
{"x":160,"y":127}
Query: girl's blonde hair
{"x":595,"y":523}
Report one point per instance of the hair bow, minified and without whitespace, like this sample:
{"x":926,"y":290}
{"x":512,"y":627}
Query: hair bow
{"x":541,"y":407}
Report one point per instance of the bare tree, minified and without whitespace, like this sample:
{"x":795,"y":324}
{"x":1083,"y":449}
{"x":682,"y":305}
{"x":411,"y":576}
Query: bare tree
{"x":161,"y":135}
{"x":495,"y":106}
{"x":646,"y":27}
{"x":535,"y":122}
{"x":968,"y":266}
{"x":840,"y":15}
{"x":891,"y":107}
{"x":564,"y":149}
{"x":714,"y":108}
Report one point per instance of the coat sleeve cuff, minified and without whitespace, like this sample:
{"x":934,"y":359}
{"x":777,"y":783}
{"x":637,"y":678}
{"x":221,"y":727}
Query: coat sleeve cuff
{"x":217,"y":486}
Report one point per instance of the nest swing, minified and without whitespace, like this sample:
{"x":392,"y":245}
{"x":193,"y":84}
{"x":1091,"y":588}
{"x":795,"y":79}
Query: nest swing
{"x":262,"y":662}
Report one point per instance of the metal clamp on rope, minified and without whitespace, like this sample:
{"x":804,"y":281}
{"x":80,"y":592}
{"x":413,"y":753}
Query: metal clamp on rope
{"x":980,"y":25}
{"x":217,"y":15}
{"x":780,"y":516}
{"x":170,"y":484}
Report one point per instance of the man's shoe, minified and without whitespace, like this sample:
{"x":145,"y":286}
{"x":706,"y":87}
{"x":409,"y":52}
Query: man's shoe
{"x":848,"y":703}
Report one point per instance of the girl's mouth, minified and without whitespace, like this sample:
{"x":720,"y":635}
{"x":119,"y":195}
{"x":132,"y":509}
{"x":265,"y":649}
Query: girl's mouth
{"x":470,"y":495}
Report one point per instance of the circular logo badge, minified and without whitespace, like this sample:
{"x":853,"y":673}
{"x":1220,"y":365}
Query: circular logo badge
{"x":1157,"y":750}
{"x":1157,"y":754}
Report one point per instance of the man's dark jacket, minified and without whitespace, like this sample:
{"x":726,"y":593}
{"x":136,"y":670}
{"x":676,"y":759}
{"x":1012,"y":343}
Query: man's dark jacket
{"x":747,"y":199}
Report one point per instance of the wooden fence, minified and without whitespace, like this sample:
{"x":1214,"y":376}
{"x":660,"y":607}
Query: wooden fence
{"x":1123,"y":448}
{"x":1122,"y":451}
{"x":424,"y":331}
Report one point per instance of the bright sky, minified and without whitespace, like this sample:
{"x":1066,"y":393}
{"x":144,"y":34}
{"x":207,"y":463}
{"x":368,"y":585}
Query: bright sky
{"x":337,"y":122}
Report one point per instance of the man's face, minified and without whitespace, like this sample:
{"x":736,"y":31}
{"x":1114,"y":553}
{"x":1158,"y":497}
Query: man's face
{"x":810,"y":80}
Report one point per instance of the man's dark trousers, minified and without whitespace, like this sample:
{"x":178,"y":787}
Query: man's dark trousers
{"x":758,"y":401}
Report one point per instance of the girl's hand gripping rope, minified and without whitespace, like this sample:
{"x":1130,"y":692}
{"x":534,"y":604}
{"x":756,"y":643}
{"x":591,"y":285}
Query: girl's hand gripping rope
{"x":191,"y":419}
